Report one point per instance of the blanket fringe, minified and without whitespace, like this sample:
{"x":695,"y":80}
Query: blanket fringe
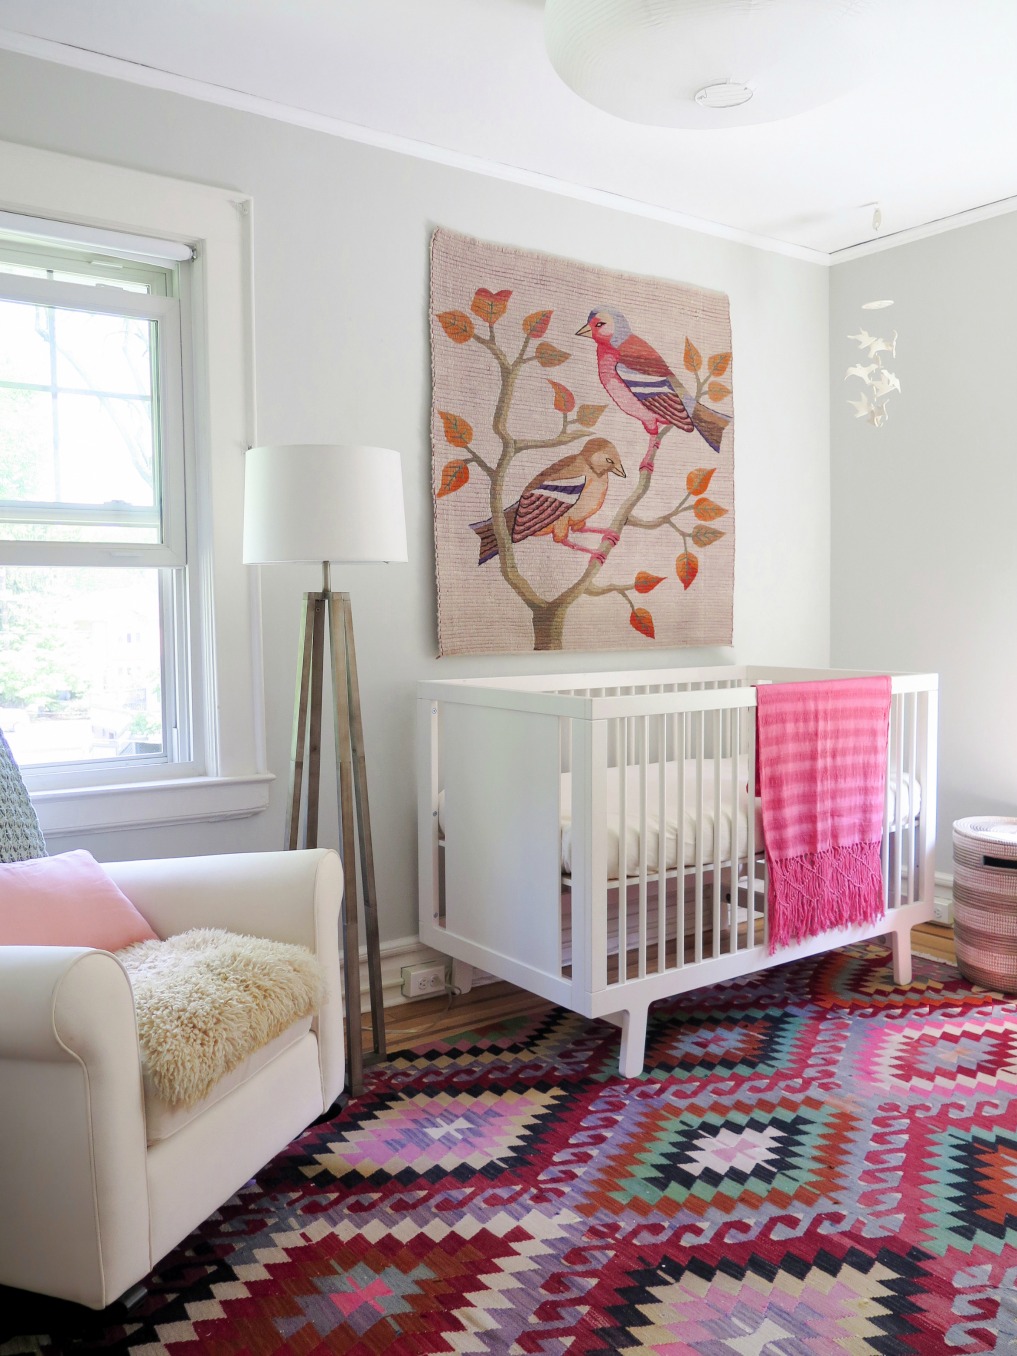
{"x":816,"y":891}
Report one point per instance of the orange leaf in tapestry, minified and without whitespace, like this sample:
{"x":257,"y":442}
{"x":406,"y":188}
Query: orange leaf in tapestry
{"x":686,"y":567}
{"x":587,"y":415}
{"x":698,"y":480}
{"x":706,"y":510}
{"x":564,"y":400}
{"x":705,"y":536}
{"x":718,"y":363}
{"x":693,"y":358}
{"x":458,"y":431}
{"x":453,"y":477}
{"x":457,"y":325}
{"x":549,"y":356}
{"x":490,"y":306}
{"x":717,"y":390}
{"x":646,"y":582}
{"x":642,"y":621}
{"x":535,"y":325}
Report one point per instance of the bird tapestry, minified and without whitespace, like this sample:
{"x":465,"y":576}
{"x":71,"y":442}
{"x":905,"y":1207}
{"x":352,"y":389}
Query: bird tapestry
{"x":583,"y":469}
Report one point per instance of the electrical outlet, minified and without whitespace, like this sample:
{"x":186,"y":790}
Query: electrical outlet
{"x":424,"y":981}
{"x":942,"y":912}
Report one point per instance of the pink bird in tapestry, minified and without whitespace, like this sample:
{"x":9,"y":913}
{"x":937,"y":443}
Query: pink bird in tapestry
{"x":559,"y":500}
{"x":642,"y":385}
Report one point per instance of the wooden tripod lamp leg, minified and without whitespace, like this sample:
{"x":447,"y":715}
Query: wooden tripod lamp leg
{"x":350,"y":919}
{"x":354,"y":810}
{"x":364,"y":831}
{"x":300,"y":711}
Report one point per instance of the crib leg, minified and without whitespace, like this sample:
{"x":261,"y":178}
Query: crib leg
{"x":900,"y":941}
{"x":632,"y":1055}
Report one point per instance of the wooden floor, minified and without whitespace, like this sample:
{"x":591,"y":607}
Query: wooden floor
{"x":410,"y":1023}
{"x":932,"y":939}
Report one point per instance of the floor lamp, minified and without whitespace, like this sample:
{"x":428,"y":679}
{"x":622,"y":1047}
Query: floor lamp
{"x":305,"y":502}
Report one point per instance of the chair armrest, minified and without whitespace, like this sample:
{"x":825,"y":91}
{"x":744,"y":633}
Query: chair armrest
{"x":71,"y":1095}
{"x":59,"y":1002}
{"x":284,"y":896}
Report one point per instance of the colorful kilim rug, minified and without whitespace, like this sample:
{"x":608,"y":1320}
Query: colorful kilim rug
{"x":815,"y":1161}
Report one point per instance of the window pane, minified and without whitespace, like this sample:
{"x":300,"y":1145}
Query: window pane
{"x":80,"y":664}
{"x":108,"y":353}
{"x":78,"y":453}
{"x":82,"y":279}
{"x":105,"y":451}
{"x":26,"y":445}
{"x":24,"y":344}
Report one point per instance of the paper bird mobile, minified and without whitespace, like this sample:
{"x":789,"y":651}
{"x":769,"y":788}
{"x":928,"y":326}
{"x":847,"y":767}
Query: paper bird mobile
{"x":878,"y":383}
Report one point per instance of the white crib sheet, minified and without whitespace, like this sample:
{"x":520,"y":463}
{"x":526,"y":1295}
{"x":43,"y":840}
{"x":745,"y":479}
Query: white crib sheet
{"x":706,"y":828}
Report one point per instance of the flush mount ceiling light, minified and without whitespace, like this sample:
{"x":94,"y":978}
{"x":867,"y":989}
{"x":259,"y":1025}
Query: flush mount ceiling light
{"x":708,"y":63}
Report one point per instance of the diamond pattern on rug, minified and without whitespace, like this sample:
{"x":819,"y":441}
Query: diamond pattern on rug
{"x":827,"y":1301}
{"x":815,"y":1161}
{"x":753,"y":1041}
{"x":755,"y":1157}
{"x":977,"y":1053}
{"x":971,"y":1178}
{"x":436,"y":1136}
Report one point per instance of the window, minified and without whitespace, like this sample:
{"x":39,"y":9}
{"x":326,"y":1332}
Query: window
{"x":138,"y":562}
{"x":93,"y":604}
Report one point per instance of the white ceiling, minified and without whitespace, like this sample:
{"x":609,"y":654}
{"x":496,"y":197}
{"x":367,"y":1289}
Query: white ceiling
{"x":932,"y":132}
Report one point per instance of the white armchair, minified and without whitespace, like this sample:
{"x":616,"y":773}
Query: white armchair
{"x":96,"y":1185}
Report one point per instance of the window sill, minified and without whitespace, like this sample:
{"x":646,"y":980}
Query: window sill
{"x":189,"y":800}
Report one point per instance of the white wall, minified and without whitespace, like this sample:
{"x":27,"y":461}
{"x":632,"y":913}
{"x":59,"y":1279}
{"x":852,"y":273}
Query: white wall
{"x":924,"y":569}
{"x":341,"y":235}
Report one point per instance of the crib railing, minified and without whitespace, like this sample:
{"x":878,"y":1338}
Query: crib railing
{"x":526,"y":759}
{"x":656,"y":914}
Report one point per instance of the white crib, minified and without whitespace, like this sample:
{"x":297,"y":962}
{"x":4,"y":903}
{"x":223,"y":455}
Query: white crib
{"x":594,"y":839}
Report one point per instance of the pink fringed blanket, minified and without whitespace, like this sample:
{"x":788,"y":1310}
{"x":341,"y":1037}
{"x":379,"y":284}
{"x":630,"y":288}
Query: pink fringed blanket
{"x":821,"y":776}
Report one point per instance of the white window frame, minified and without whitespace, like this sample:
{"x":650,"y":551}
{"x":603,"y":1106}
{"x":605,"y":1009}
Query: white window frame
{"x":165,"y":312}
{"x":182,"y":753}
{"x":228,"y":777}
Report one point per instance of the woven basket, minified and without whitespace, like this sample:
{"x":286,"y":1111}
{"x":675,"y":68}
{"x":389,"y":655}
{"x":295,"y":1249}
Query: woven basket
{"x":985,"y":900}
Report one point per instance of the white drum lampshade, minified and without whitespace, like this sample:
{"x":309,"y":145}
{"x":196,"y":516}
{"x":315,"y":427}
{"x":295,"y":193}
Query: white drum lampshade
{"x":709,"y":63}
{"x":318,"y":501}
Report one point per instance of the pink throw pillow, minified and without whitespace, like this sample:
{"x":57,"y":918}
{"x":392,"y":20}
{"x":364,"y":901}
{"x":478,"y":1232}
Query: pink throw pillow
{"x":66,"y":900}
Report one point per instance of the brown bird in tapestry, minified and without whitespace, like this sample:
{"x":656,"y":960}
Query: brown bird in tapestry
{"x":559,"y":500}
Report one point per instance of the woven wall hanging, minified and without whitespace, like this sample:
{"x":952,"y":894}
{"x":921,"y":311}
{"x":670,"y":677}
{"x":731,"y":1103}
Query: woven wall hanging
{"x":583,"y":455}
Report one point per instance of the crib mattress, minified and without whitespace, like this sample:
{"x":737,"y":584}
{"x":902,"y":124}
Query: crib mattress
{"x":698,"y":836}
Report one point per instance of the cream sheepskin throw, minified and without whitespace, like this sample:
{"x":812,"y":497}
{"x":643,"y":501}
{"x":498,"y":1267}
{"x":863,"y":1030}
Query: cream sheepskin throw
{"x":206,"y":999}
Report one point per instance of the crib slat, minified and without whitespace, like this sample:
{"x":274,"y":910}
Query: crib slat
{"x":717,"y":789}
{"x":662,"y":844}
{"x":884,"y":849}
{"x":697,"y":726}
{"x":927,"y":724}
{"x":734,"y":753}
{"x":911,"y":784}
{"x":750,"y":836}
{"x":898,"y":760}
{"x":642,"y":744}
{"x":590,"y":891}
{"x":621,"y":755}
{"x":681,"y":764}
